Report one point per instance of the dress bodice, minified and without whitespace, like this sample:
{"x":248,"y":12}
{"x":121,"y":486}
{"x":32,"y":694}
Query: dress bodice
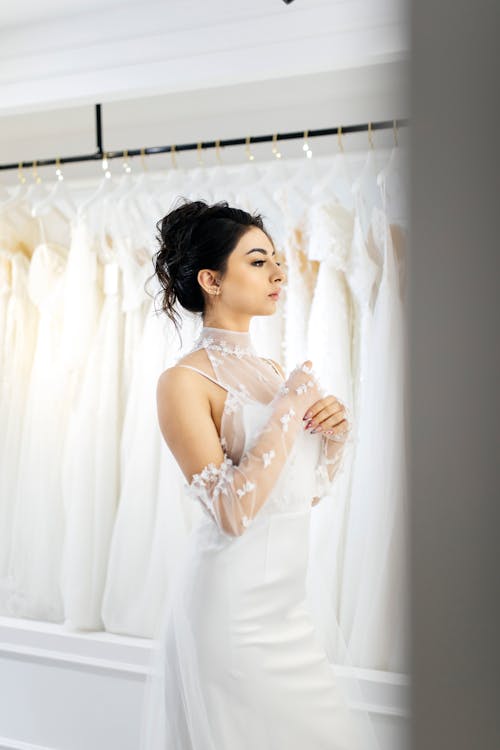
{"x":296,"y":485}
{"x":253,"y":387}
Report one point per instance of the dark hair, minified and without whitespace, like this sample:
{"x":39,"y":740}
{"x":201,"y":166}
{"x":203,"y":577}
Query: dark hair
{"x":192,"y":236}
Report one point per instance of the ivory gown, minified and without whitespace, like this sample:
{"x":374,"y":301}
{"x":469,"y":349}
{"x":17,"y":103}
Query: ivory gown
{"x":239,"y":662}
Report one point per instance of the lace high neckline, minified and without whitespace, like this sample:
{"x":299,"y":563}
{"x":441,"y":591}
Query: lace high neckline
{"x":227,"y":341}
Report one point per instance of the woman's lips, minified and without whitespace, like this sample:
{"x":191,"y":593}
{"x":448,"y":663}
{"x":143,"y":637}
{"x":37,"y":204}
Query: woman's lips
{"x":274,"y":295}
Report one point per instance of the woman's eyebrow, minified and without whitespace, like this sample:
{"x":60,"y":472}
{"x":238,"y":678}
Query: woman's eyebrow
{"x":259,"y":250}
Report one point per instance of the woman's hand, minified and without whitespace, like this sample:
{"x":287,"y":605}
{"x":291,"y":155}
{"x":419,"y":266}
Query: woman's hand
{"x":329,"y":416}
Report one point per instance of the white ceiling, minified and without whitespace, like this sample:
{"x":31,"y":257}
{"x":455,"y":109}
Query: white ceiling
{"x":54,"y":55}
{"x":26,"y":12}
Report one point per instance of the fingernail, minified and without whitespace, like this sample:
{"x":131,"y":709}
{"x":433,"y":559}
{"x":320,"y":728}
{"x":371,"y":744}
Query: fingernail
{"x":306,"y":416}
{"x":313,"y":431}
{"x":308,"y":425}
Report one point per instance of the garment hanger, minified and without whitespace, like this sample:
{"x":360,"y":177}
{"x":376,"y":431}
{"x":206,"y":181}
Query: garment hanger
{"x":17,"y":204}
{"x":136,"y":211}
{"x":18,"y":192}
{"x":307,"y":173}
{"x":16,"y":211}
{"x":59,"y":199}
{"x":105,"y":187}
{"x":36,"y":191}
{"x":223,"y":181}
{"x":175,"y":175}
{"x":195,"y":178}
{"x":391,"y":179}
{"x":337,"y":182}
{"x":365,"y":188}
{"x":138,"y":193}
{"x":272,"y":172}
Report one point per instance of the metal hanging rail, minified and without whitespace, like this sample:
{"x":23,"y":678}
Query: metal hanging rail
{"x":101,"y":153}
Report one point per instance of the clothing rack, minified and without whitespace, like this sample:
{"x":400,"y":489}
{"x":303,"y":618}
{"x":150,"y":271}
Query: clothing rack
{"x":101,"y":153}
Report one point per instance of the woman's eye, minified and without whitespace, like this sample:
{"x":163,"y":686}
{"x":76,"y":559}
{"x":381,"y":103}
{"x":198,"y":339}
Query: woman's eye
{"x":263,"y":261}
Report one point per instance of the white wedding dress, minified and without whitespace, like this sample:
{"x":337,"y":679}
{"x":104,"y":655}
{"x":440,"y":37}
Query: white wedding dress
{"x":238,"y":661}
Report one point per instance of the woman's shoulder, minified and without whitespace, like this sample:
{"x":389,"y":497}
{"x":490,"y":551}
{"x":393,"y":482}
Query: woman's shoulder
{"x":180,"y":371}
{"x":182,"y":388}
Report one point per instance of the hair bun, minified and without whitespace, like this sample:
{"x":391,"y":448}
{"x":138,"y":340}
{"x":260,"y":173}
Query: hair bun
{"x":176,"y":231}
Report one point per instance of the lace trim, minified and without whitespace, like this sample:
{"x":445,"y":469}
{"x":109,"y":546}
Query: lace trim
{"x":201,"y":482}
{"x":221,"y":345}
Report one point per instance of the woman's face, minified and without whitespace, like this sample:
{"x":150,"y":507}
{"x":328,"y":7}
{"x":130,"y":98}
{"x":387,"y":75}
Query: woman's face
{"x":253,"y":272}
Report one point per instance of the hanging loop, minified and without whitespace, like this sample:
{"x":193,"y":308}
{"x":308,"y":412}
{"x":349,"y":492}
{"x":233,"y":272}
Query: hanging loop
{"x":275,"y":149}
{"x":36,"y":176}
{"x":58,"y":169}
{"x":370,"y":137}
{"x":251,"y":157}
{"x":395,"y":131}
{"x":20,"y":174}
{"x":305,"y":145}
{"x":172,"y":154}
{"x":339,"y":138}
{"x":126,"y":165}
{"x":200,"y":158}
{"x":217,"y":151}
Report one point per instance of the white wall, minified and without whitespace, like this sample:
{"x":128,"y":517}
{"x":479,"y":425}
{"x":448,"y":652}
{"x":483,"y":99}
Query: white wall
{"x":68,"y":691}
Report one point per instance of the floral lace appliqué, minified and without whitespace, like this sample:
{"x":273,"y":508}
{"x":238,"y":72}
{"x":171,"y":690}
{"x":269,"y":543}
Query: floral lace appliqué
{"x":232,"y":402}
{"x":268,"y":457}
{"x":247,"y":487}
{"x":224,"y":347}
{"x":200,"y":482}
{"x":286,"y":418}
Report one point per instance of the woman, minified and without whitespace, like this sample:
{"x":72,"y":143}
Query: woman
{"x":239,"y":665}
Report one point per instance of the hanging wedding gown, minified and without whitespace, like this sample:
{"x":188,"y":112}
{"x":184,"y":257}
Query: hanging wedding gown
{"x":362,"y":272}
{"x":300,"y":271}
{"x":329,"y":348}
{"x":238,"y":661}
{"x":382,"y":599}
{"x":91,"y":467}
{"x":19,"y":340}
{"x":153,"y":519}
{"x":38,"y":525}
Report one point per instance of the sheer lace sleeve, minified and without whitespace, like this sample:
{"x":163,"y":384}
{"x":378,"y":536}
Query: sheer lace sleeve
{"x":234,"y":493}
{"x":334,"y":449}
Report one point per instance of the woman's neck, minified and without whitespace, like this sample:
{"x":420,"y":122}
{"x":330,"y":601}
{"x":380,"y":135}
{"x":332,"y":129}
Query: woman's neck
{"x":227,"y":340}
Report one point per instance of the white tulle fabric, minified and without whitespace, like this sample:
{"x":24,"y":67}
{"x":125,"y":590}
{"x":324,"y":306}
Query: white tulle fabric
{"x":237,"y":660}
{"x":235,"y":492}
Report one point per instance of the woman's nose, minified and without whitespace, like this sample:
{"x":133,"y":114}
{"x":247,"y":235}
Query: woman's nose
{"x":279,"y":273}
{"x":278,"y":270}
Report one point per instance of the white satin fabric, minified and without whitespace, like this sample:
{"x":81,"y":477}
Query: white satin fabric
{"x":238,"y":660}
